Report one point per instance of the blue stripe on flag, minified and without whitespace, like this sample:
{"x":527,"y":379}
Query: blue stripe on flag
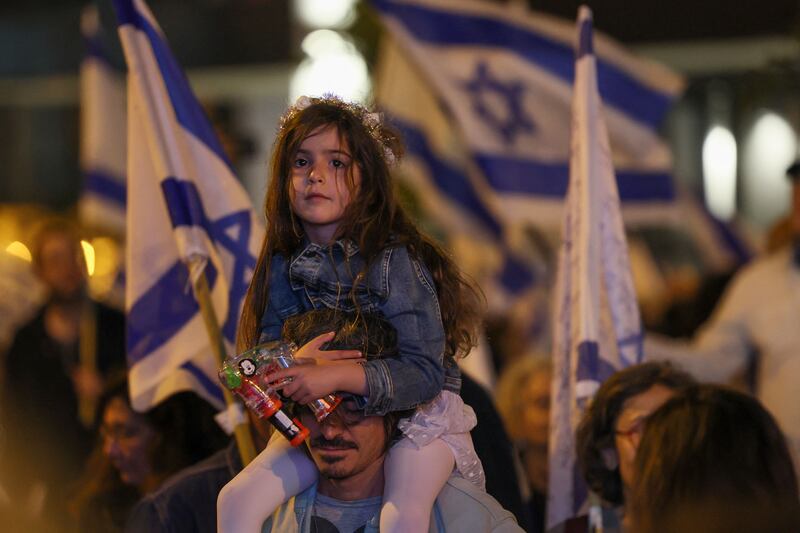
{"x":449,"y":28}
{"x":524,"y":176}
{"x":126,"y":13}
{"x":451,"y":181}
{"x":592,"y":367}
{"x":515,"y":276}
{"x":210,"y":386}
{"x":162,"y":311}
{"x":231,"y":232}
{"x":183,"y":203}
{"x":105,"y":186}
{"x":734,"y":244}
{"x":93,"y":47}
{"x":187,"y":111}
{"x":585,"y":45}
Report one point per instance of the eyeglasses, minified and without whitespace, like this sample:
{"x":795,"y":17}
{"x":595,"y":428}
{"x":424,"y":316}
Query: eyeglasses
{"x":634,"y":430}
{"x":348,"y":412}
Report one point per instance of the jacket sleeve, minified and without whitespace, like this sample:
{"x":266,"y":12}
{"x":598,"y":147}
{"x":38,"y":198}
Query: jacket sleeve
{"x":416,"y":375}
{"x":145,"y":518}
{"x":722,"y":346}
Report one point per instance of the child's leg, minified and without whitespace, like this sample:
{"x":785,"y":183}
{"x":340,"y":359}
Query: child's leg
{"x":275,"y":475}
{"x":414,"y":478}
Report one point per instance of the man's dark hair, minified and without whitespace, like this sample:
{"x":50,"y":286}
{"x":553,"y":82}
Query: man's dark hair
{"x":712,"y":459}
{"x":370,"y":333}
{"x":596,"y":430}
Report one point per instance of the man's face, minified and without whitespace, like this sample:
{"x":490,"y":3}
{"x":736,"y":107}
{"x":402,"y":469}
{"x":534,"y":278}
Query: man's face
{"x":345,"y":444}
{"x":61,"y":266}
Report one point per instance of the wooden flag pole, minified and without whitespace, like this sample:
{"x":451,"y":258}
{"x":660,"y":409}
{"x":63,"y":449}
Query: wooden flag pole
{"x":244,"y":439}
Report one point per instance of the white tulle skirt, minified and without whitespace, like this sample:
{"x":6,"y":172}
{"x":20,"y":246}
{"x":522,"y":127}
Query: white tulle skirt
{"x":447,"y":417}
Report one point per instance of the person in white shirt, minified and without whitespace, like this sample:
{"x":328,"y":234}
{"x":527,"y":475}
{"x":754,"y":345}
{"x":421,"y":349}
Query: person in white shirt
{"x":758,"y":316}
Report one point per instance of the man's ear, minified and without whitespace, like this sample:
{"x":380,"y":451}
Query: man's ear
{"x":610,"y":458}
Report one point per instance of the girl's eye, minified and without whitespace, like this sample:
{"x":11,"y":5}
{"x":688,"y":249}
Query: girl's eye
{"x":337,"y":163}
{"x":300,"y":162}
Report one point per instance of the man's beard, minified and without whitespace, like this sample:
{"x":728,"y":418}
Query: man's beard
{"x":329,"y":466}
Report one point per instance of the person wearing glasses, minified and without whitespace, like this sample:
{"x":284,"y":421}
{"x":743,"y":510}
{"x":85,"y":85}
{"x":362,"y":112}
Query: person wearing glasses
{"x":349,"y":449}
{"x":608,"y":435}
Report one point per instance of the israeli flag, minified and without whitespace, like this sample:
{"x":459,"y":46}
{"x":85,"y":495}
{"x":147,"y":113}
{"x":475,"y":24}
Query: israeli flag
{"x":597,"y":327}
{"x":448,"y":184}
{"x":185,"y":207}
{"x":505,"y":76}
{"x":103,"y":133}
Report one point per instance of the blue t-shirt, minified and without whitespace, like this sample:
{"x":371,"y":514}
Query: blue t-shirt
{"x":330,"y":515}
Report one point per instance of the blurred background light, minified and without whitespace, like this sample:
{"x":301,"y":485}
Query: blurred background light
{"x":17,"y":249}
{"x":769,"y":148}
{"x":719,"y":172}
{"x":106,"y":252}
{"x":89,"y":255}
{"x":325,"y":13}
{"x":333,"y":65}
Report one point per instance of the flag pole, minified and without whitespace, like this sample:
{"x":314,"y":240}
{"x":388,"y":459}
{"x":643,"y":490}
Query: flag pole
{"x":244,"y":439}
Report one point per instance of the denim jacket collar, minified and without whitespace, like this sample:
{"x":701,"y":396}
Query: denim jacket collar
{"x":305,"y":265}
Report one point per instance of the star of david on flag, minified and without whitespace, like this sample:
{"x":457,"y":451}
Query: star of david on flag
{"x":597,"y":328}
{"x":187,"y":214}
{"x":504,"y":76}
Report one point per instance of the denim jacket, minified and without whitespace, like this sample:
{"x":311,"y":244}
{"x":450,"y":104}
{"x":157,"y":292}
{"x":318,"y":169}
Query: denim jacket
{"x":397,"y":286}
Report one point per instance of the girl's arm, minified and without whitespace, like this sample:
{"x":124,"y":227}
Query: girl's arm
{"x":416,"y":375}
{"x":319,"y":372}
{"x":311,"y":381}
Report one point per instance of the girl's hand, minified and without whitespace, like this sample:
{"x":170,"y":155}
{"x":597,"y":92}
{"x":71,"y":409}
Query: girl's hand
{"x":311,"y":381}
{"x":312,"y":350}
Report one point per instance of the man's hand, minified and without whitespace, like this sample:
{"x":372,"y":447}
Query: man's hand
{"x":312,"y":350}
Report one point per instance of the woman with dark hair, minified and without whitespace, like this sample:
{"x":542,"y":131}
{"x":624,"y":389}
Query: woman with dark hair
{"x":136,"y":452}
{"x":713,"y":460}
{"x":609,"y":432}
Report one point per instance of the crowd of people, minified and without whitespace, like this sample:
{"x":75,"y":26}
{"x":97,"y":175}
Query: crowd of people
{"x":378,"y":314}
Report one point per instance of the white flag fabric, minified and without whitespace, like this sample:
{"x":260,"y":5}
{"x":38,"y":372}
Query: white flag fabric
{"x":481,"y":94}
{"x":597,"y":327}
{"x":103,"y":133}
{"x":184,"y":206}
{"x":505,"y":77}
{"x":450,"y":187}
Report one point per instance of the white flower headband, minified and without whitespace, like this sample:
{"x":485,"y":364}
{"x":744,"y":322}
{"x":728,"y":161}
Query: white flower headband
{"x":373,"y":122}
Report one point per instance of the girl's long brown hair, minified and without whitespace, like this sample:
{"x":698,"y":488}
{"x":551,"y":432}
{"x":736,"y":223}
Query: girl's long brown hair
{"x":374,"y":220}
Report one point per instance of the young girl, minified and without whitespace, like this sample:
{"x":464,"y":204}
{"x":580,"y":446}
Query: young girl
{"x":337,"y":238}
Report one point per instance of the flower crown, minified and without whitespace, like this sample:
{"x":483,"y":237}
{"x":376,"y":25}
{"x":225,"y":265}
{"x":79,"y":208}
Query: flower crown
{"x":372,"y":121}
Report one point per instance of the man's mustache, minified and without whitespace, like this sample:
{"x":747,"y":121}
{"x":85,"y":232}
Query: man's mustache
{"x":338,"y":443}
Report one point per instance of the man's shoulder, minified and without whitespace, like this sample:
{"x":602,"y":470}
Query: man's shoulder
{"x":210,"y":474}
{"x":183,"y":495}
{"x":464,"y":507}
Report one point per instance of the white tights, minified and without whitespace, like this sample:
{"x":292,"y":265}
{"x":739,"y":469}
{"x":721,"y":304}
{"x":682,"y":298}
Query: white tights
{"x":413,"y":478}
{"x":275,"y":475}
